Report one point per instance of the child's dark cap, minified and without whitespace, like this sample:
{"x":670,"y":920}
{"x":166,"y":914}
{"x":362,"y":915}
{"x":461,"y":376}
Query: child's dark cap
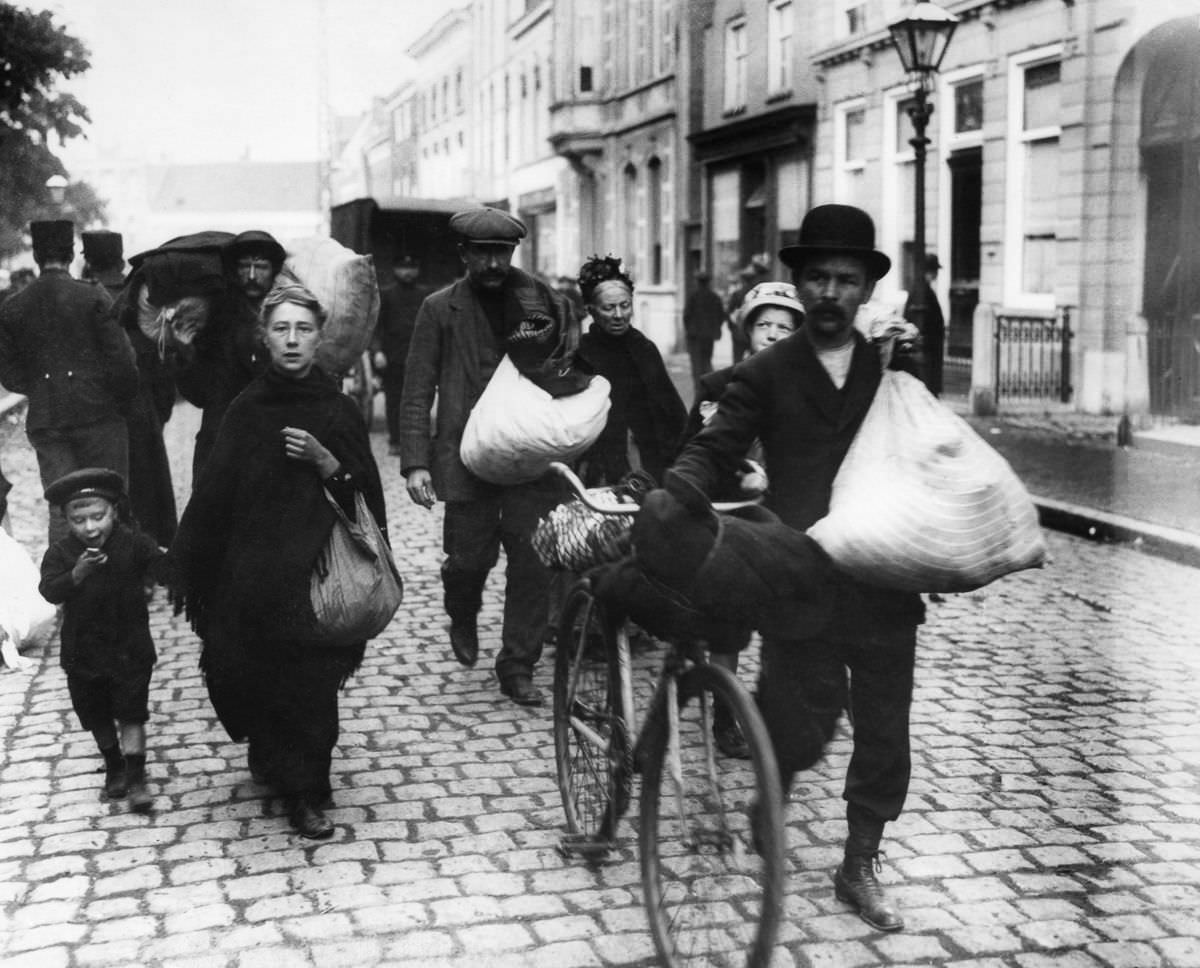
{"x":86,"y":482}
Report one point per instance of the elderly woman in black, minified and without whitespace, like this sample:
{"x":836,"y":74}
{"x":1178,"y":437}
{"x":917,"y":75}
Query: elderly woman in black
{"x":647,"y":415}
{"x":248,"y":544}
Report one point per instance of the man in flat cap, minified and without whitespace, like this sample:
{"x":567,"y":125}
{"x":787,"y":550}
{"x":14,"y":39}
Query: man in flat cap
{"x":60,"y":347}
{"x":461,"y":333}
{"x":804,"y":398}
{"x":399,"y":302}
{"x":104,"y":259}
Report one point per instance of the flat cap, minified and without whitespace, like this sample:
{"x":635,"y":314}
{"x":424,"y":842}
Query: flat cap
{"x":488,"y":225}
{"x":52,"y":234}
{"x":103,"y":249}
{"x":86,"y":482}
{"x":256,"y":240}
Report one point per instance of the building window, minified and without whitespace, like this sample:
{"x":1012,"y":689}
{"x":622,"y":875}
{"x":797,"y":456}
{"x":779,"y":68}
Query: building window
{"x":725,"y":206}
{"x":850,"y":132}
{"x":629,"y":220}
{"x":779,"y":47}
{"x":1034,"y":157}
{"x":736,"y":53}
{"x":855,"y":21}
{"x":654,"y":186}
{"x":968,"y":106}
{"x":585,"y":80}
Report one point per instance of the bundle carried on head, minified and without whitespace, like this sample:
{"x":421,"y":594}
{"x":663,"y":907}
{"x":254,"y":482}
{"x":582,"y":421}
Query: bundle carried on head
{"x":600,"y":269}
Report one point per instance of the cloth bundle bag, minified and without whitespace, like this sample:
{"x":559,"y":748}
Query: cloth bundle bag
{"x":516,"y":429}
{"x":355,"y":588}
{"x":344,"y":283}
{"x":921,"y":503}
{"x":24,"y":614}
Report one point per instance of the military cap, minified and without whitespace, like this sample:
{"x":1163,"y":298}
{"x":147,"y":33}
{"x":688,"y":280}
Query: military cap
{"x":256,"y":240}
{"x":103,"y":249}
{"x":56,"y":235}
{"x":489,"y":226}
{"x":86,"y":482}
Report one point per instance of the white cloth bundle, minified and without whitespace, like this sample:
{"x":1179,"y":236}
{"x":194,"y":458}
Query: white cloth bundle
{"x":24,"y":614}
{"x":516,"y":428}
{"x":344,"y":283}
{"x":922,"y":503}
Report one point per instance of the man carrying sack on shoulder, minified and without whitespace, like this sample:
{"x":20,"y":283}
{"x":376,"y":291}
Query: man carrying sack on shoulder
{"x":805,"y":397}
{"x":461,"y":334}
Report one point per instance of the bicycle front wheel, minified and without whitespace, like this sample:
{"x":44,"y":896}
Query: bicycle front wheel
{"x":712,"y":841}
{"x":591,"y":741}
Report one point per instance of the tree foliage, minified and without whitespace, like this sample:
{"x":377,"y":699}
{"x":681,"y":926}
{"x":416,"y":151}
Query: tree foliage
{"x":35,"y":55}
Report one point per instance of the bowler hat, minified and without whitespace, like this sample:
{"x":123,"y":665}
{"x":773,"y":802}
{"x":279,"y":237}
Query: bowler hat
{"x":256,"y":240}
{"x":103,"y":249}
{"x":932,"y":262}
{"x":488,"y":226}
{"x":86,"y":482}
{"x":837,"y":230}
{"x":53,"y":236}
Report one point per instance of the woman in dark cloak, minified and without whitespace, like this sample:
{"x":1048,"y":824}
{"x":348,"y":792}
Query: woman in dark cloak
{"x":647,"y":415}
{"x":248,"y":544}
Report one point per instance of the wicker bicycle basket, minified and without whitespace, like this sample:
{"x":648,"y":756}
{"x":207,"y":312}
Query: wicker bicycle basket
{"x":575,"y":538}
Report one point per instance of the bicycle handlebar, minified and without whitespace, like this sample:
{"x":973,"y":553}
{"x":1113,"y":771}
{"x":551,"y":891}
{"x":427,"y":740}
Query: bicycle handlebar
{"x":591,"y":496}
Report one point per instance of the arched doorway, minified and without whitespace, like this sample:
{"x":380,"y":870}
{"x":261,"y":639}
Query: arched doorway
{"x":1170,"y":154}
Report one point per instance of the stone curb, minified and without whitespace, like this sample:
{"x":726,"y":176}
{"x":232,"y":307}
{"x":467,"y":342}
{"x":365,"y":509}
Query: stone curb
{"x":1159,"y":540}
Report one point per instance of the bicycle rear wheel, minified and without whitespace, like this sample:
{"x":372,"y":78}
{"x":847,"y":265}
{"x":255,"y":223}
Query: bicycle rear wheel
{"x":711,"y":833}
{"x":591,"y":742}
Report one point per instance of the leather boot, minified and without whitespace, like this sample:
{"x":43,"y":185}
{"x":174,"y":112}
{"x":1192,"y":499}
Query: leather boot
{"x":855,"y":882}
{"x":114,"y":773}
{"x":462,"y":597}
{"x":140,"y":800}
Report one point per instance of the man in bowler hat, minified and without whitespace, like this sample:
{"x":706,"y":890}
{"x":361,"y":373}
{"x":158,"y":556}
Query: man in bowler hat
{"x":461,"y":333}
{"x":804,"y":398}
{"x":60,"y":347}
{"x":932,"y":325}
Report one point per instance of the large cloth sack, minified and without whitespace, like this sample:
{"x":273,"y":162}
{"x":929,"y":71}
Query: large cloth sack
{"x":516,"y":428}
{"x":24,"y":614}
{"x":355,"y":588}
{"x":344,"y":283}
{"x":921,"y":503}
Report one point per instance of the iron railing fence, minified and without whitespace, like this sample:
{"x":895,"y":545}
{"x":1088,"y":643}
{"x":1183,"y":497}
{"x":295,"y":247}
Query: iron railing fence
{"x":1033,"y":356}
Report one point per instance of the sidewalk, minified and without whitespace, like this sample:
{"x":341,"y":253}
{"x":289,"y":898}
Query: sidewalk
{"x":1147,"y":494}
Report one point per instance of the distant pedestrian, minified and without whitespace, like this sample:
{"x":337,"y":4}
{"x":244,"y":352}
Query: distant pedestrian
{"x":251,"y":538}
{"x":60,"y":347}
{"x":399,"y":303}
{"x":104,"y":259}
{"x":646,"y":416}
{"x":98,"y":574}
{"x":754,"y":272}
{"x":932,"y":325}
{"x":703,"y":319}
{"x":19,"y":279}
{"x":462,"y":333}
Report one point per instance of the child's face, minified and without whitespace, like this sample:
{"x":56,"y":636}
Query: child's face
{"x":91,"y":520}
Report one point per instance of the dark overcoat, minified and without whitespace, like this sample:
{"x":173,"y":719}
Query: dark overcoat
{"x":60,"y":347}
{"x":784,"y":397}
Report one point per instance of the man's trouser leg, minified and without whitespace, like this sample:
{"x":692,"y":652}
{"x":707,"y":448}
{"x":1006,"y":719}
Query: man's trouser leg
{"x":529,"y":587}
{"x":60,"y":451}
{"x":471,"y":541}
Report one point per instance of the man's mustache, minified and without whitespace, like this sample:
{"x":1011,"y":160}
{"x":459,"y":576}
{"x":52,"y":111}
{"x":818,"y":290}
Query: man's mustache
{"x":828,"y":309}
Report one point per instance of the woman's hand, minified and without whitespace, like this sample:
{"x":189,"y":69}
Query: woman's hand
{"x":301,"y":445}
{"x":420,"y":487}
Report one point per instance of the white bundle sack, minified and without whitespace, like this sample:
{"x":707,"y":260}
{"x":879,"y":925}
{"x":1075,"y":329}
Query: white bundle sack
{"x":24,"y":614}
{"x":344,"y":283}
{"x":921,"y":503}
{"x":516,"y":428}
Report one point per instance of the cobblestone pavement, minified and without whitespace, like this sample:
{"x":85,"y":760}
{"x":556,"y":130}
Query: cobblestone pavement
{"x":1054,"y":817}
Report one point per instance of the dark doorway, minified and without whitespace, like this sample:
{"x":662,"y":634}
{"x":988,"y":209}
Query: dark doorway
{"x":1171,"y":164}
{"x":966,"y":212}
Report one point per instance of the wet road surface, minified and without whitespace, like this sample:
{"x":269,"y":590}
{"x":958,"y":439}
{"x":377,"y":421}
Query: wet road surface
{"x":1054,"y":817}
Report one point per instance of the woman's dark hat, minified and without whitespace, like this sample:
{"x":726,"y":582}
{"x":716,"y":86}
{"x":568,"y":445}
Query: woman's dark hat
{"x":837,"y":230}
{"x":86,"y":482}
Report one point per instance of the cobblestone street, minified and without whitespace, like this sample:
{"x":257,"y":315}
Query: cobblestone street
{"x":1054,"y":817}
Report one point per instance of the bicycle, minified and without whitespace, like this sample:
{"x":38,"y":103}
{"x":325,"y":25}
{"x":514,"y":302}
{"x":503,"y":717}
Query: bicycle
{"x":711,"y":840}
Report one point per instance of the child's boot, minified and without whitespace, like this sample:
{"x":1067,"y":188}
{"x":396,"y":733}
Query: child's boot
{"x":140,"y":800}
{"x":115,"y":783}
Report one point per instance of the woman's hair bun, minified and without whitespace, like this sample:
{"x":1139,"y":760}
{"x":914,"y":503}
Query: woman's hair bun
{"x":598,"y":269}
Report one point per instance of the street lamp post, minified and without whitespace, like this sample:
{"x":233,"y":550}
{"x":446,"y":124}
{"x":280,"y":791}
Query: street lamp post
{"x":921,"y":40}
{"x":57,"y":186}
